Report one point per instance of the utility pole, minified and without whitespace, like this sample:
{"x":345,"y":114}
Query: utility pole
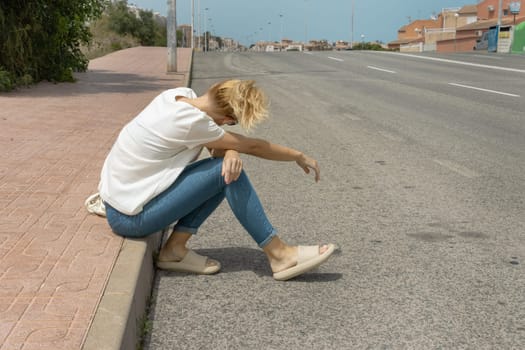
{"x":500,"y":10}
{"x":305,"y":22}
{"x":352,"y":36}
{"x":198,"y":24}
{"x":281,"y":16}
{"x":192,"y":24}
{"x":172,"y":36}
{"x":206,"y":29}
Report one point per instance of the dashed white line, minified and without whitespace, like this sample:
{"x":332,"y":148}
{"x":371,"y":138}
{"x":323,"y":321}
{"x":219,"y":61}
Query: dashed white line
{"x":391,"y":137}
{"x":488,"y":57}
{"x":484,"y":90}
{"x":382,"y":69}
{"x":336,"y":59}
{"x":352,"y":117}
{"x":460,"y":169}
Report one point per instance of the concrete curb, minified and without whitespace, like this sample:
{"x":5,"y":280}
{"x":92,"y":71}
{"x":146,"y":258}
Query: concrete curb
{"x":187,"y":81}
{"x":120,"y":315}
{"x":118,"y":320}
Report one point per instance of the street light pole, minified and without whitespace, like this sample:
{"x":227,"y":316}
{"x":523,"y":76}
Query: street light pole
{"x":352,"y":36}
{"x":305,"y":22}
{"x":500,"y":10}
{"x":206,"y":38}
{"x":192,"y":24}
{"x":456,"y":15}
{"x":172,"y":36}
{"x":281,"y":27}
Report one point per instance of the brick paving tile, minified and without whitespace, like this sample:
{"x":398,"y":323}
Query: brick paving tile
{"x":55,"y":259}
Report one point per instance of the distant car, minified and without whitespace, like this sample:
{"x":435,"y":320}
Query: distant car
{"x":483,"y":42}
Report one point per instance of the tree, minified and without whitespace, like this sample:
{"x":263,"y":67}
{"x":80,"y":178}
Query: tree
{"x":146,"y":32}
{"x":41,"y":39}
{"x":144,"y":27}
{"x":121,"y":20}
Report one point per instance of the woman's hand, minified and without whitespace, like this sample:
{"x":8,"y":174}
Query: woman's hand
{"x":217,"y":153}
{"x":231,"y":166}
{"x":308,"y":163}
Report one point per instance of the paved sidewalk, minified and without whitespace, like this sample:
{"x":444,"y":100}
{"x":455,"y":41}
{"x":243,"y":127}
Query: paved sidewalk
{"x":55,"y":259}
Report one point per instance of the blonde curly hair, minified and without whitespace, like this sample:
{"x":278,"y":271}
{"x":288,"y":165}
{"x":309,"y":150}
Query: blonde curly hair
{"x":242,"y":100}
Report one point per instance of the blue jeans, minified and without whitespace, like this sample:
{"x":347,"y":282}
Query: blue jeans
{"x":196,"y":193}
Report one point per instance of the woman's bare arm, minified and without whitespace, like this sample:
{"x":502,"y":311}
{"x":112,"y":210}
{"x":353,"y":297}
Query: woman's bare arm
{"x":266,"y":150}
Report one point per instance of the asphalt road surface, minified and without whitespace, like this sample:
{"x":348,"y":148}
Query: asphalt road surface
{"x":422,"y":188}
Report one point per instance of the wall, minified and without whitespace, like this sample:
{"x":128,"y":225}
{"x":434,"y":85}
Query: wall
{"x":449,"y":19}
{"x":434,"y":36}
{"x":456,"y":45}
{"x":411,"y":48}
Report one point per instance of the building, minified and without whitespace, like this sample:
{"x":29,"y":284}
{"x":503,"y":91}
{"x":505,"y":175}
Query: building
{"x":459,"y":29}
{"x":467,"y":35}
{"x":342,"y":45}
{"x":229,"y":44}
{"x":468,"y":14}
{"x":413,"y":34}
{"x":290,"y":45}
{"x":185,"y":40}
{"x":317,"y":45}
{"x":488,"y":9}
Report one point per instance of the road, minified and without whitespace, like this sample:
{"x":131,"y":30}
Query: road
{"x":423,"y":166}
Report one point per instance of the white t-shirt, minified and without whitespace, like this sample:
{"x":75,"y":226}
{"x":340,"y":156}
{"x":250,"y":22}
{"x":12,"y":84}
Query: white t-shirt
{"x":152,"y":150}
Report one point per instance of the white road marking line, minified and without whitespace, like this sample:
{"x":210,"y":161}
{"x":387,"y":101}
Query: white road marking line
{"x":460,"y":169}
{"x":352,"y":117}
{"x":336,"y":59}
{"x":484,"y":90}
{"x":381,"y":69}
{"x":306,"y":93}
{"x":391,"y":137}
{"x":457,"y":62}
{"x":308,"y":53}
{"x":488,"y":57}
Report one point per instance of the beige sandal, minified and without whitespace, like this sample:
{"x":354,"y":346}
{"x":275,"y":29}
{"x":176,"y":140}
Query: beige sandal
{"x":308,"y":258}
{"x":192,"y":262}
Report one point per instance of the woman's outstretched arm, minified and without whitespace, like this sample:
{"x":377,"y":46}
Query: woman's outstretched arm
{"x":266,"y":150}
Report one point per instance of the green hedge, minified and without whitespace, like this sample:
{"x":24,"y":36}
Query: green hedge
{"x":368,"y":46}
{"x":143,"y":27}
{"x":41,"y":39}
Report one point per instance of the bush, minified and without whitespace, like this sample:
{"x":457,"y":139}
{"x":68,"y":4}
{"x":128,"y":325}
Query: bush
{"x":40,"y":40}
{"x":25,"y":80}
{"x":368,"y":46}
{"x":5,"y":81}
{"x":145,"y":28}
{"x":118,"y":29}
{"x":50,"y":40}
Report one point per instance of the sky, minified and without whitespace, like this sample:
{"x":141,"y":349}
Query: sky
{"x":248,"y":21}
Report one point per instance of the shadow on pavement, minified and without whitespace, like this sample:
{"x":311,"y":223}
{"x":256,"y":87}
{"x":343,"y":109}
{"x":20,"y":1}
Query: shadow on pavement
{"x":96,"y":82}
{"x":235,"y":259}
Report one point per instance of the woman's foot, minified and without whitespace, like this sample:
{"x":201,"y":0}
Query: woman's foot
{"x":178,"y":253}
{"x":306,"y":259}
{"x":290,"y":261}
{"x":175,"y":249}
{"x":288,"y":257}
{"x":191,"y":263}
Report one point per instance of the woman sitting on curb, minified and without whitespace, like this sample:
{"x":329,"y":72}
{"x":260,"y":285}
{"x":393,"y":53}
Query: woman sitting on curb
{"x":151,"y":178}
